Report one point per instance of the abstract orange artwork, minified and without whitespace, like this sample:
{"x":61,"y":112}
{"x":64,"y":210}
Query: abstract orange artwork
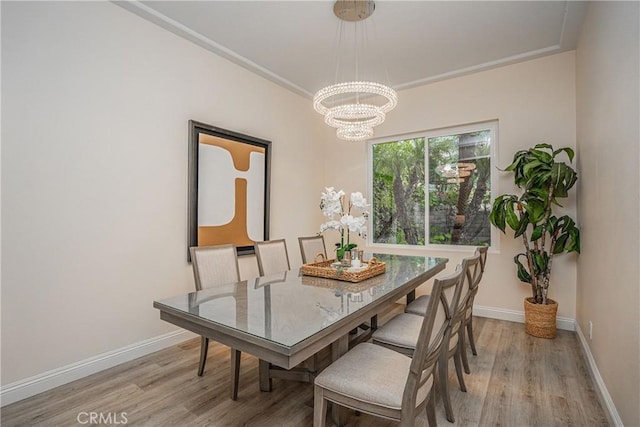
{"x":229,"y":188}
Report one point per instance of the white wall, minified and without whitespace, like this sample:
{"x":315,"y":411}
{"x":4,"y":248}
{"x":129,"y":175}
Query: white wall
{"x":534,"y":102}
{"x":95,"y":106}
{"x":608,"y":127}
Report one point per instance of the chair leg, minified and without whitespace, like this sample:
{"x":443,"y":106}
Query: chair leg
{"x":457,"y":360}
{"x":235,"y":372}
{"x":319,"y":408}
{"x":463,"y":352}
{"x":470,"y":333}
{"x":431,"y":408}
{"x":443,"y":367}
{"x":204,"y":347}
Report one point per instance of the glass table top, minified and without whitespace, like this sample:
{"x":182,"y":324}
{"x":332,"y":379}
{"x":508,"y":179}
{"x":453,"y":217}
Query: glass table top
{"x":287,"y":308}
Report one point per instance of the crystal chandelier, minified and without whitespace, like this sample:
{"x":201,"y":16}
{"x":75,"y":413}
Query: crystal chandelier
{"x":354,"y":108}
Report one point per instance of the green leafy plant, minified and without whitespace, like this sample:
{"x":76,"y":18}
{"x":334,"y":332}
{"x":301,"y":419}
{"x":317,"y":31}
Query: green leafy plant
{"x":543,"y":180}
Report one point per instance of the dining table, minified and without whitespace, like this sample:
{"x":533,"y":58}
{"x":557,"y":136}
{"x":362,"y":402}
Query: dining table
{"x":286,"y":318}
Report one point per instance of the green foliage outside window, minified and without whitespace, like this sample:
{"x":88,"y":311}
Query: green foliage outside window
{"x":398,"y":192}
{"x":456,"y":188}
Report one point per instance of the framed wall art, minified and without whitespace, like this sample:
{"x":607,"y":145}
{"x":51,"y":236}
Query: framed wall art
{"x":228,"y":188}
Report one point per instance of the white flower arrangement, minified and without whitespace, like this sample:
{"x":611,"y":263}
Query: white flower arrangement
{"x":332,"y":206}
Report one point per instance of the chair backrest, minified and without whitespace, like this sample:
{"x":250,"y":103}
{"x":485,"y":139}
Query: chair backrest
{"x":445,"y":294}
{"x":310,"y":247}
{"x":214,"y":265}
{"x":471,"y":274}
{"x":476,"y":277}
{"x":482,"y":251}
{"x":272,"y":256}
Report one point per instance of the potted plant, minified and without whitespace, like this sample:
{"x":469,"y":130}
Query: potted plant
{"x":543,"y":180}
{"x":344,"y":220}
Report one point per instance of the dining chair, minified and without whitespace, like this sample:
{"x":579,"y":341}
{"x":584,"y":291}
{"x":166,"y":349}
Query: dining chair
{"x":419,"y":305}
{"x":272,"y":256}
{"x":382,"y":382}
{"x":213,"y":267}
{"x":401,"y":332}
{"x":468,"y":317}
{"x":310,"y":247}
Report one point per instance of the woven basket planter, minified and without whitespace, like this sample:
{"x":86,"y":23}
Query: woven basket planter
{"x":540,"y":319}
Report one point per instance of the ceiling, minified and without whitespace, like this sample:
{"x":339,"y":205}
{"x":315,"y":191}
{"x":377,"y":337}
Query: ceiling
{"x":408,"y":43}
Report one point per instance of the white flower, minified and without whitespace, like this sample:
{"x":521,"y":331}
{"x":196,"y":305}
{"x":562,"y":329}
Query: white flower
{"x":331,"y":202}
{"x":355,"y":224}
{"x":331,"y":195}
{"x":330,"y":225}
{"x":331,"y":209}
{"x":346,"y":220}
{"x":358,"y":200}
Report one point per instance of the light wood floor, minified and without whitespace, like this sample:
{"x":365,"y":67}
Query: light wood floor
{"x":516,"y":380}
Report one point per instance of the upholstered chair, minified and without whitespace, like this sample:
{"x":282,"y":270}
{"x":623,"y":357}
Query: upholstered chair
{"x":272,"y":256}
{"x":419,"y":305}
{"x":216,"y":267}
{"x":382,"y":382}
{"x":401,"y":332}
{"x":310,"y":247}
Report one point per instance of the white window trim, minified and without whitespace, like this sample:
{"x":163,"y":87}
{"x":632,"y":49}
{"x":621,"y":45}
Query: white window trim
{"x":492,"y":125}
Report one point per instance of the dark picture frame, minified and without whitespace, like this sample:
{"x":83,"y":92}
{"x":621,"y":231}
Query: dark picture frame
{"x":225,"y":161}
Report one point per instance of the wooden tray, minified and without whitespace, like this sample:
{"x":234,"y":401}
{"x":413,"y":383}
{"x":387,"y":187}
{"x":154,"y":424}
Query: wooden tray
{"x":324,"y":269}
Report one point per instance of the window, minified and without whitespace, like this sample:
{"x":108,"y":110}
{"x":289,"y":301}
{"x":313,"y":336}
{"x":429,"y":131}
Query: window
{"x":433,"y":188}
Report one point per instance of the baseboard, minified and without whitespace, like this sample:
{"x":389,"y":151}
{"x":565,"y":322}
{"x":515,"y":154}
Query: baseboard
{"x":601,"y":388}
{"x":39,"y":383}
{"x":564,"y":323}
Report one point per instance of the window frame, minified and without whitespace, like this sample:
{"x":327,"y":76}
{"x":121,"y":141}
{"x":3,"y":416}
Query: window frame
{"x":492,"y":126}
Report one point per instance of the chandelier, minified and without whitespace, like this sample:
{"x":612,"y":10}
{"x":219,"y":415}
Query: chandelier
{"x":355,"y":107}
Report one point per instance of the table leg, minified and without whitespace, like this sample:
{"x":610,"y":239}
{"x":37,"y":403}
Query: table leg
{"x":265,"y":376}
{"x":411,"y":296}
{"x":374,"y":322}
{"x":338,"y":348}
{"x":235,"y":369}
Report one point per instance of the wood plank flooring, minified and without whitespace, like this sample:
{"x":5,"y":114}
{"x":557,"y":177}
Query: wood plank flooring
{"x":516,"y":380}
